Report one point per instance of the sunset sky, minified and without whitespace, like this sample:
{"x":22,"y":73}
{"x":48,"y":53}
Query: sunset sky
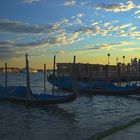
{"x":89,"y":29}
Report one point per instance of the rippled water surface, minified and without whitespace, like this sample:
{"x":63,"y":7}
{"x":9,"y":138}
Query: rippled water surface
{"x":77,"y":120}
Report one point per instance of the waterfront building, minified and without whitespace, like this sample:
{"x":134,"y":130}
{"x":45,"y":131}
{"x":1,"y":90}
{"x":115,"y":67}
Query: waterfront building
{"x":99,"y":72}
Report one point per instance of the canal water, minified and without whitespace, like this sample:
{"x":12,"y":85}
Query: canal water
{"x":78,"y":120}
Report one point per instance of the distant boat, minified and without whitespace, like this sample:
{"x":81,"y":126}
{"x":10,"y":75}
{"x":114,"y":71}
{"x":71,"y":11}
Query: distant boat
{"x":23,"y":70}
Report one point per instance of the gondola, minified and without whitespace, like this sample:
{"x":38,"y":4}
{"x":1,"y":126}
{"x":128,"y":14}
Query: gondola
{"x":114,"y":90}
{"x":18,"y":94}
{"x":66,"y":83}
{"x":96,"y":87}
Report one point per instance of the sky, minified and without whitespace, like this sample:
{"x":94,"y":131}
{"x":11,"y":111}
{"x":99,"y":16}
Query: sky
{"x":89,"y":29}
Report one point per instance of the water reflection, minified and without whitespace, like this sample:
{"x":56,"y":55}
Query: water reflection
{"x":27,"y":120}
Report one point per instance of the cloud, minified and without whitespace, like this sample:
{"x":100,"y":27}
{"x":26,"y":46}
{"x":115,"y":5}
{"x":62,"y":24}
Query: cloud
{"x":117,"y":7}
{"x":95,"y":29}
{"x":94,"y":23}
{"x":132,"y":28}
{"x":15,"y":45}
{"x":105,"y":46}
{"x":96,"y":47}
{"x":10,"y":26}
{"x":47,"y":42}
{"x":83,"y":3}
{"x":78,"y":21}
{"x":70,"y":3}
{"x":119,"y":27}
{"x":109,"y":28}
{"x":120,"y":43}
{"x":12,"y":47}
{"x":138,"y":17}
{"x":125,"y":25}
{"x":103,"y":29}
{"x":71,"y":21}
{"x":79,"y":15}
{"x":63,"y":40}
{"x":132,"y":34}
{"x":30,"y":1}
{"x":7,"y":49}
{"x":88,"y":31}
{"x":137,"y":12}
{"x":138,"y":6}
{"x":131,"y":49}
{"x":59,"y":52}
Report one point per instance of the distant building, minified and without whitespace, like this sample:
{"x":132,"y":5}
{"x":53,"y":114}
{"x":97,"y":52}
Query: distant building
{"x":10,"y":69}
{"x":17,"y":70}
{"x":86,"y":71}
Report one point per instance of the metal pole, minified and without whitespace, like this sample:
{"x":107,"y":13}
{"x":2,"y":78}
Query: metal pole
{"x":123,"y":59}
{"x":6,"y":74}
{"x":116,"y":60}
{"x":44,"y":77}
{"x":108,"y":58}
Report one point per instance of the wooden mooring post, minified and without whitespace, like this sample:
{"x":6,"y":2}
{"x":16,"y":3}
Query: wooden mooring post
{"x":74,"y":76}
{"x":90,"y":75}
{"x":128,"y":74}
{"x":54,"y":63}
{"x":44,"y":77}
{"x":27,"y":77}
{"x":106,"y":75}
{"x":6,"y":74}
{"x":119,"y":74}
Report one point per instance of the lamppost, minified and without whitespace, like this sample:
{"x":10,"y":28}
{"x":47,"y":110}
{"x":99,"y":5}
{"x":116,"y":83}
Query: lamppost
{"x":123,"y":59}
{"x":123,"y":65}
{"x":108,"y":55}
{"x":117,"y":60}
